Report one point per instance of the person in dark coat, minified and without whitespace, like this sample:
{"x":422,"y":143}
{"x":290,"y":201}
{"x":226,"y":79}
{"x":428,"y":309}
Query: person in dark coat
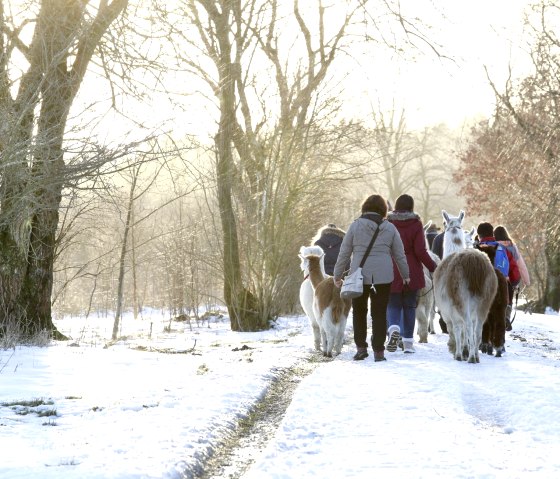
{"x":437,"y":245}
{"x":402,"y":300}
{"x":329,"y":238}
{"x":431,"y":234}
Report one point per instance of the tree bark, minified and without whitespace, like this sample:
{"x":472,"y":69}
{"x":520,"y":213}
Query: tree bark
{"x":33,"y":168}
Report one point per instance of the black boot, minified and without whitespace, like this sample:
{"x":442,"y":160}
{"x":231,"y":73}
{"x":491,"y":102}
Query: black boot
{"x":508,"y":317}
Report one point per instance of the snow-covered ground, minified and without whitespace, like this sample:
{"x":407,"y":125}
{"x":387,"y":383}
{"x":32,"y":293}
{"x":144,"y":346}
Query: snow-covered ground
{"x":154,"y":405}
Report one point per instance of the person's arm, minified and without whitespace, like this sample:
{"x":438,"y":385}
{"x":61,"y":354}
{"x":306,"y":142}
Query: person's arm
{"x":398,"y":254}
{"x":420,"y":251}
{"x":343,"y":260}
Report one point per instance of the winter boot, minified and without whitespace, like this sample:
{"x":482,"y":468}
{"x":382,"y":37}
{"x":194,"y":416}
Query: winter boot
{"x":408,"y":344}
{"x":379,"y":356}
{"x":508,"y":318}
{"x":394,"y":333}
{"x":361,"y":354}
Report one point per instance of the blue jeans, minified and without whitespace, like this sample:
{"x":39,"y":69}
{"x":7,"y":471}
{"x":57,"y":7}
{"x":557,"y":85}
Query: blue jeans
{"x":401,"y":311}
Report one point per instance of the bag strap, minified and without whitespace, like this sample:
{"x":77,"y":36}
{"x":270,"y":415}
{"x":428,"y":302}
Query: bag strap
{"x":366,"y":254}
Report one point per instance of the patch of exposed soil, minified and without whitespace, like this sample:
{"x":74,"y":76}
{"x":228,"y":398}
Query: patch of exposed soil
{"x":239,"y":452}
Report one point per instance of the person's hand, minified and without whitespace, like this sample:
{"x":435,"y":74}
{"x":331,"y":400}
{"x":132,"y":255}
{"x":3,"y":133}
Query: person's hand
{"x":406,"y":281}
{"x":338,"y":283}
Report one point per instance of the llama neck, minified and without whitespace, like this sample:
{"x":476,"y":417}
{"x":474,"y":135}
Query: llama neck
{"x":453,"y":241}
{"x":316,"y":271}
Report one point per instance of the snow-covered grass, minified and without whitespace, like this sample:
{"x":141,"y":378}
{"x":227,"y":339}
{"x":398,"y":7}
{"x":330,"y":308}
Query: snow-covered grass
{"x":155,"y":404}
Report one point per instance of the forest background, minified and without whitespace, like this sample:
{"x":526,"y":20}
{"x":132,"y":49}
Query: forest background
{"x":176,"y":155}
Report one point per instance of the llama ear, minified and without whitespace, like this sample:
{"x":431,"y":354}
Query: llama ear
{"x":389,"y":205}
{"x":445,"y":216}
{"x":461,"y":216}
{"x":427,"y":225}
{"x":472,"y":231}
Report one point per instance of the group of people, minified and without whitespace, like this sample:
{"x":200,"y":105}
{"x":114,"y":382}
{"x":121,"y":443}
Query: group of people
{"x":393,"y":271}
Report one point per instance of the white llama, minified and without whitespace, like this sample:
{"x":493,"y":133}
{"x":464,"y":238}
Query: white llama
{"x":306,"y":292}
{"x":464,"y":286}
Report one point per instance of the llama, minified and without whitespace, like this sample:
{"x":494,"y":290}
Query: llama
{"x":425,"y":308}
{"x":454,"y":236}
{"x":494,"y":329}
{"x":469,"y":237}
{"x":306,"y":293}
{"x":331,"y":311}
{"x":464,"y":285}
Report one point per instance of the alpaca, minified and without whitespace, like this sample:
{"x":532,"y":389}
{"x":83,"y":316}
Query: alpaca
{"x":425,"y":310}
{"x":465,"y":285}
{"x":494,"y":329}
{"x":306,"y":293}
{"x":331,"y":311}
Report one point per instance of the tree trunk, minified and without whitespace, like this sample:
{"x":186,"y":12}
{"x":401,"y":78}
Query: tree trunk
{"x":552,"y":288}
{"x":241,"y":303}
{"x":33,"y":169}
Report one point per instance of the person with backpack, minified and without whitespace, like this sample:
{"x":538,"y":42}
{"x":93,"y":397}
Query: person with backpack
{"x":329,"y":238}
{"x":401,"y":310}
{"x":502,"y":236}
{"x":504,"y":261}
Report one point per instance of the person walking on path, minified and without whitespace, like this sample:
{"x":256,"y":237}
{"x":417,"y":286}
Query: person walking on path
{"x":502,"y":236}
{"x":377,"y":272}
{"x":401,"y":312}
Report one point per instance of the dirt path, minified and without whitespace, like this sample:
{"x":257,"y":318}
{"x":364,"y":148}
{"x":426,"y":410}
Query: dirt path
{"x":240,"y":451}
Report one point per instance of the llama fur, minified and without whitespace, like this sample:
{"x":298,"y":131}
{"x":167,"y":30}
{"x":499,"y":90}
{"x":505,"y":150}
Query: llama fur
{"x":465,"y":285}
{"x":331,"y":311}
{"x":306,"y":292}
{"x":425,"y":308}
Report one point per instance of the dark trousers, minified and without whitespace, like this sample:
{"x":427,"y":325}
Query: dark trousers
{"x":378,"y":301}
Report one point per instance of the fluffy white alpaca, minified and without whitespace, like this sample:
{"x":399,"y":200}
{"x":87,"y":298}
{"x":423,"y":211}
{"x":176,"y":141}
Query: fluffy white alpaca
{"x":306,"y":292}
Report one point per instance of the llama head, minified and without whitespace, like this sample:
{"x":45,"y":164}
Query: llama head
{"x":454,"y":237}
{"x":305,"y":251}
{"x":469,"y":237}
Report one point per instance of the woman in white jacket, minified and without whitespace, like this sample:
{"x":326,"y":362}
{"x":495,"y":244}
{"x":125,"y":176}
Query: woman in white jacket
{"x":377,"y":272}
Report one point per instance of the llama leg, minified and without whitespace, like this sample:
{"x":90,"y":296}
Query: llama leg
{"x":339,"y":336}
{"x":316,"y":334}
{"x":422,"y":321}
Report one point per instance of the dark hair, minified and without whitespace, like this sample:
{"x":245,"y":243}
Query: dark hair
{"x":375,"y":204}
{"x":485,"y":229}
{"x":501,"y":234}
{"x":404,"y":203}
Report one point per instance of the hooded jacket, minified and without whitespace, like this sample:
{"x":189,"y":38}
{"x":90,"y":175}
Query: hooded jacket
{"x":411,"y":232}
{"x":378,"y":268}
{"x":329,"y":239}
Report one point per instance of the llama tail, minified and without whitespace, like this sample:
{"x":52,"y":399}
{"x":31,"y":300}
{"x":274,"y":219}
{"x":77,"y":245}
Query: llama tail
{"x":340,"y":307}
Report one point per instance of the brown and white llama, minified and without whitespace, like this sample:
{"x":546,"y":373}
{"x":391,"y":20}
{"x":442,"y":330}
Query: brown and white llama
{"x":464,"y":285}
{"x":331,"y":311}
{"x":494,"y":330}
{"x":306,"y":292}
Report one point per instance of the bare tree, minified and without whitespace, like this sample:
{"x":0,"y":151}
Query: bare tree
{"x":513,"y":159}
{"x":65,"y":37}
